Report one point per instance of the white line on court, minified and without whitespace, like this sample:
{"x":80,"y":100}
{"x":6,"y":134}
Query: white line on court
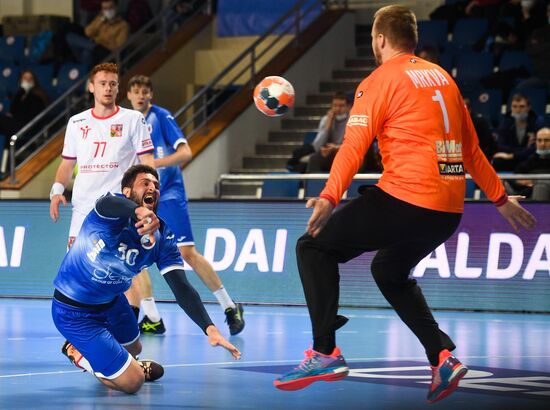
{"x":266,"y":362}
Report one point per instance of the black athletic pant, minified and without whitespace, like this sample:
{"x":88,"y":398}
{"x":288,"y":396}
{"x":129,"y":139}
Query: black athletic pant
{"x":403,"y":234}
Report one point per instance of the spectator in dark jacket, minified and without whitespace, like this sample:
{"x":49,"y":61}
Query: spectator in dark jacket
{"x":29,"y":101}
{"x":516,"y":134}
{"x":537,"y":163}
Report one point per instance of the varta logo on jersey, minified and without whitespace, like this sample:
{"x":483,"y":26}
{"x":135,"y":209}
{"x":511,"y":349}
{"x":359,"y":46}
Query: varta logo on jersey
{"x":446,"y":168}
{"x":98,"y":246}
{"x":359,"y":120}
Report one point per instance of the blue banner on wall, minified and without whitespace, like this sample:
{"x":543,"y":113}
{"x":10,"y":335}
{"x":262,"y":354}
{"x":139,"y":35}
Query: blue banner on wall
{"x":484,"y":265}
{"x":255,"y":17}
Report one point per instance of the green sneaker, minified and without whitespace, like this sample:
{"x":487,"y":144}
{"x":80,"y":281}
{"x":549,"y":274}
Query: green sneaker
{"x":148,"y":326}
{"x":234,"y":319}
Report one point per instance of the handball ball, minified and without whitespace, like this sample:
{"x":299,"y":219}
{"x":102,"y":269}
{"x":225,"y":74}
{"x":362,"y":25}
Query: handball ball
{"x":274,"y":96}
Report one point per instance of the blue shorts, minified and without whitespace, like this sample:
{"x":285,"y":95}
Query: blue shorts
{"x":176,"y":216}
{"x":99,"y":335}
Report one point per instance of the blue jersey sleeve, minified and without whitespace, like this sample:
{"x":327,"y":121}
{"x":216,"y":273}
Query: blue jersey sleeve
{"x":169,"y":257}
{"x":170,"y":130}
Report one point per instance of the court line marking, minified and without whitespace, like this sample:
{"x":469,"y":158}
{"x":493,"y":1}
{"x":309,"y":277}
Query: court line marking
{"x":251,"y":362}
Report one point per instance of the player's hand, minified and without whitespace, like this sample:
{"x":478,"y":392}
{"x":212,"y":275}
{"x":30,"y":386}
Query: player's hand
{"x":514,"y":213}
{"x":54,"y":206}
{"x":322,"y":209}
{"x":147,"y":222}
{"x":216,"y":339}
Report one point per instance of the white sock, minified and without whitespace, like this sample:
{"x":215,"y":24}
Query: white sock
{"x":224,"y":299}
{"x":150,"y":309}
{"x":85,"y":364}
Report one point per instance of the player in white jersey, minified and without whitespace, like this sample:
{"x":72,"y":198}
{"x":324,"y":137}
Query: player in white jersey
{"x":104,"y":141}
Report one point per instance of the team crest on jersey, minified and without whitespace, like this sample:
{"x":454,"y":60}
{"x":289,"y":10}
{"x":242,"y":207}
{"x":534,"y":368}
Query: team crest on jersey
{"x":116,"y":130}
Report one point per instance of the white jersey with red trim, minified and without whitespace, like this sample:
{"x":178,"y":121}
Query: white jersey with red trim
{"x":104,"y":148}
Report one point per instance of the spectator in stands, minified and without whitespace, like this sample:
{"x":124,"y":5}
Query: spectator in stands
{"x":29,"y":101}
{"x":318,"y":156}
{"x":487,"y":141}
{"x":516,"y":134}
{"x":105,"y":33}
{"x":86,"y":11}
{"x":538,"y":48}
{"x":138,"y":14}
{"x":537,"y":163}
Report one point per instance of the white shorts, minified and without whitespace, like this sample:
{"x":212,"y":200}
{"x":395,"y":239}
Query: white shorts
{"x":77,"y":219}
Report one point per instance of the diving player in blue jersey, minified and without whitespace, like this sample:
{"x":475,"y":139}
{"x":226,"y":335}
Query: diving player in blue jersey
{"x":119,"y":237}
{"x":171,"y":152}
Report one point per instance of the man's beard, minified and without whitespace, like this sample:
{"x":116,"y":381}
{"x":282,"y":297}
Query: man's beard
{"x":139,"y":200}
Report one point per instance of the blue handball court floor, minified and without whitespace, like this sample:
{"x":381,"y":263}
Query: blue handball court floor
{"x":508,"y":356}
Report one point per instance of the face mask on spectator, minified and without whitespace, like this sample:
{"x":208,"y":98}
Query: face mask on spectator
{"x":543,"y":152}
{"x":109,"y":14}
{"x":340,"y":117}
{"x":27,"y":85}
{"x":519,"y":116}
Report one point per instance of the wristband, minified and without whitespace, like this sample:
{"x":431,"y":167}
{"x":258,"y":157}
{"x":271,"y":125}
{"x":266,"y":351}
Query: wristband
{"x":57,"y":189}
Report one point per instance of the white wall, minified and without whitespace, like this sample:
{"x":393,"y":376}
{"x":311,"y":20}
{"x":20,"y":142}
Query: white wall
{"x":250,"y":127}
{"x":33,"y":7}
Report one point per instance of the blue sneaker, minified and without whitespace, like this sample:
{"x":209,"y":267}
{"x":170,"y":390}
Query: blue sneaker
{"x":445,"y":376}
{"x":316,"y":366}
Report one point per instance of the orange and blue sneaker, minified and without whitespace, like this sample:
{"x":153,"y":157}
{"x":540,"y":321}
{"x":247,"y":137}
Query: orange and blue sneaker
{"x":445,"y":376}
{"x":316,"y":366}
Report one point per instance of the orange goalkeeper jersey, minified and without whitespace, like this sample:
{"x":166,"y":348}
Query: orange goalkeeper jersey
{"x":426,"y":137}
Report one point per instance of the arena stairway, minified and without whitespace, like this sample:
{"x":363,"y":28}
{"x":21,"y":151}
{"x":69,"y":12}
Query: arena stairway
{"x":272,"y":156}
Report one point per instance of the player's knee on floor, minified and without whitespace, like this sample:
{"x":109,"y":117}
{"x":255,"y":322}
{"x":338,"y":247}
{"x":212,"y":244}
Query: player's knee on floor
{"x":132,"y":379}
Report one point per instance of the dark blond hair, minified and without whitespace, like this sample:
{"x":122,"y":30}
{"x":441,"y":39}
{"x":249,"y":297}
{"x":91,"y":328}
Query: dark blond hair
{"x":109,"y":67}
{"x":398,"y":25}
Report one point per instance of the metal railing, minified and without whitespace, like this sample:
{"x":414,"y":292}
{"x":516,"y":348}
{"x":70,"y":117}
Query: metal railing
{"x":37,"y":133}
{"x":358,"y":177}
{"x":194,"y":115}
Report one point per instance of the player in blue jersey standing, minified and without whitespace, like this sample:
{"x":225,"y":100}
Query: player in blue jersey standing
{"x":119,"y":237}
{"x":171,"y":152}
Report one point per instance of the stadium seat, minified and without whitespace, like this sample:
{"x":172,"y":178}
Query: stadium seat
{"x":432,"y":33}
{"x":488,"y":103}
{"x":69,"y":74}
{"x":280,"y":188}
{"x":470,"y":189}
{"x":468,"y":31}
{"x":309,"y":137}
{"x":9,"y":79}
{"x":44,"y":73}
{"x":471,"y":67}
{"x":4,"y":105}
{"x":446,"y":60}
{"x":12,"y":49}
{"x":515,"y":59}
{"x":314,"y":187}
{"x":537,"y":98}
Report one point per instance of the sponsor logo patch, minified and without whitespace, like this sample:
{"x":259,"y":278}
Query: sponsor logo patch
{"x":451,"y":168}
{"x":358,"y":120}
